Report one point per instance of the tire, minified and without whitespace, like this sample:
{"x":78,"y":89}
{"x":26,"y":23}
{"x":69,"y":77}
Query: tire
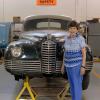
{"x":1,"y":54}
{"x":86,"y":80}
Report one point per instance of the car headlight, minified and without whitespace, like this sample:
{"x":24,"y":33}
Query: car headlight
{"x":16,"y":51}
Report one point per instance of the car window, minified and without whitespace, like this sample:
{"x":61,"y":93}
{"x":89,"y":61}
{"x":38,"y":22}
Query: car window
{"x":48,"y":24}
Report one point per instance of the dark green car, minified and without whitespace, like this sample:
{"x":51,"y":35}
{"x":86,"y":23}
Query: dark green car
{"x":39,"y":51}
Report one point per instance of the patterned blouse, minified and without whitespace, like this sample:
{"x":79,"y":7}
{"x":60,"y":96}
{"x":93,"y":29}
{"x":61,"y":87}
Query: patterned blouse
{"x":73,"y":47}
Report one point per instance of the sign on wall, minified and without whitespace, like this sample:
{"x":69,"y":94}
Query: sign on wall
{"x":46,"y":2}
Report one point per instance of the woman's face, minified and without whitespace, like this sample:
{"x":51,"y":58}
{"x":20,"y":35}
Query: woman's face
{"x":73,"y":30}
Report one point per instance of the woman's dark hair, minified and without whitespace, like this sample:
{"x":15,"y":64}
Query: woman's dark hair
{"x":73,"y":24}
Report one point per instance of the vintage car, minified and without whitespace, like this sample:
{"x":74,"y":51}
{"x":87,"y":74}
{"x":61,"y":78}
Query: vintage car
{"x":39,"y":51}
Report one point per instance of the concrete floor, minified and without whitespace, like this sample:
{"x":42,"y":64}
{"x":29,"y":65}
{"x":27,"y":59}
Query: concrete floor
{"x":9,"y":88}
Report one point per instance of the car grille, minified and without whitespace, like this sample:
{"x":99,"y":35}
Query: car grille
{"x":48,"y":52}
{"x":23,"y":66}
{"x":58,"y":66}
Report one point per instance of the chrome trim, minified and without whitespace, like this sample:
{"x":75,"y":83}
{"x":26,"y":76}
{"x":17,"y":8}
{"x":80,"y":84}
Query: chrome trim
{"x":23,"y":65}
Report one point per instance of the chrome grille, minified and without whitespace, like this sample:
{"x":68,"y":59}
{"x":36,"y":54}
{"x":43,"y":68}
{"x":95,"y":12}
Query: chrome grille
{"x":58,"y":66}
{"x":48,"y":52}
{"x":23,"y":66}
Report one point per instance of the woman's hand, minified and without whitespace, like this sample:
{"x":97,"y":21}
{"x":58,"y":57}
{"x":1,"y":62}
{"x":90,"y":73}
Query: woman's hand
{"x":62,"y":69}
{"x":82,"y":71}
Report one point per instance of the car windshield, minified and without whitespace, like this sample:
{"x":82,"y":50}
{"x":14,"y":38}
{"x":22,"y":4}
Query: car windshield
{"x":45,"y":23}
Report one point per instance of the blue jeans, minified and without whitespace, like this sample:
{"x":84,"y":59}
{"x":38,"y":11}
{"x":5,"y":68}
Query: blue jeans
{"x":75,"y":80}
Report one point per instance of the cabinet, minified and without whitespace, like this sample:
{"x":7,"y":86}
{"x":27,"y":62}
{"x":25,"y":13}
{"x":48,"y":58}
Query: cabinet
{"x":16,"y":30}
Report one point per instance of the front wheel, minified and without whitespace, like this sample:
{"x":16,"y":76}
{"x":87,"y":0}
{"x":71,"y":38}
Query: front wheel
{"x":86,"y":80}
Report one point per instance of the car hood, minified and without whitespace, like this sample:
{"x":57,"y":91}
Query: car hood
{"x":38,"y":34}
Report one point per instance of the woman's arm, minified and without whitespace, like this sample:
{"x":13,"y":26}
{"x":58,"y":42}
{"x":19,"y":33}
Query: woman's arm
{"x":83,"y":57}
{"x":83,"y":61}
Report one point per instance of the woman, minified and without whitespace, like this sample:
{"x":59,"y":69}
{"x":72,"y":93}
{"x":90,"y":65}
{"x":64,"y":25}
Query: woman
{"x":74,"y":59}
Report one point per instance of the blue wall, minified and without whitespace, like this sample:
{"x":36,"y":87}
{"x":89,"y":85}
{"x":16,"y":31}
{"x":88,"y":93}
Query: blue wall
{"x":4,"y":34}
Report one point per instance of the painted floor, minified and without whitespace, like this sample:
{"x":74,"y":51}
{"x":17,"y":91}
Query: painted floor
{"x":9,"y":88}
